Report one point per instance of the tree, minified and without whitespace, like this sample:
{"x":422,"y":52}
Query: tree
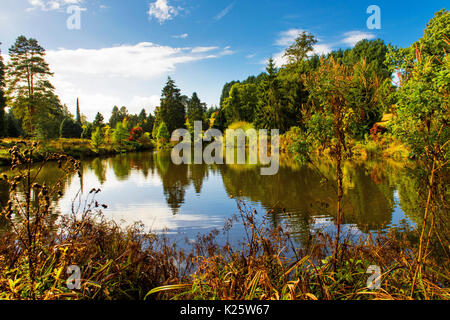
{"x":163,"y":133}
{"x":70,"y":129}
{"x":120,"y":134}
{"x":422,"y":122}
{"x":196,"y":111}
{"x":28,"y":86}
{"x":364,"y":98}
{"x":98,"y":138}
{"x":172,"y":108}
{"x":299,"y":50}
{"x":78,"y":115}
{"x":114,"y":119}
{"x":117,"y":115}
{"x":148,"y":123}
{"x":87,"y":131}
{"x":2,"y":97}
{"x":432,"y":44}
{"x":241,"y":103}
{"x":373,"y":51}
{"x":271,"y":112}
{"x":12,"y":125}
{"x":98,"y":121}
{"x":142,"y":117}
{"x":330,"y":86}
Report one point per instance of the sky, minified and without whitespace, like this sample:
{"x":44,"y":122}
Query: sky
{"x":122,"y":51}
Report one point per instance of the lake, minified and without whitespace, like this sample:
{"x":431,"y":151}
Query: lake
{"x":186,"y":200}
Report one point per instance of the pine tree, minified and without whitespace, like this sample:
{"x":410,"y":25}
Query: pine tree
{"x":272,"y":112}
{"x":195,"y":110}
{"x":78,"y":116}
{"x":98,"y":121}
{"x":2,"y":97}
{"x":172,"y":108}
{"x":28,"y":84}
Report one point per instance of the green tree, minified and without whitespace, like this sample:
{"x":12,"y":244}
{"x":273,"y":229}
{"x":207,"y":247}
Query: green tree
{"x":2,"y":97}
{"x":163,"y":133}
{"x":156,"y":123}
{"x":98,"y":138}
{"x":374,"y":52}
{"x":330,"y":86}
{"x":172,"y":108}
{"x":432,"y":45}
{"x":365,"y":98}
{"x":298,"y":52}
{"x":28,"y":86}
{"x":241,"y":103}
{"x":87,"y":131}
{"x":121,"y":134}
{"x":196,"y":111}
{"x":78,"y":115}
{"x":142,"y":117}
{"x":70,"y":129}
{"x":98,"y":121}
{"x":272,"y":111}
{"x":12,"y":125}
{"x":422,"y":122}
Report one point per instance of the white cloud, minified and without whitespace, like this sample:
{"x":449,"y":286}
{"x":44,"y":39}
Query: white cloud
{"x":144,"y":60}
{"x":203,"y":49}
{"x":353,"y":37}
{"x":121,"y":75}
{"x":162,"y":11}
{"x":181,"y":36}
{"x":49,"y":5}
{"x":224,"y":12}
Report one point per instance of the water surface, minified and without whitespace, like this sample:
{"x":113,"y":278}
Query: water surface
{"x":192,"y":199}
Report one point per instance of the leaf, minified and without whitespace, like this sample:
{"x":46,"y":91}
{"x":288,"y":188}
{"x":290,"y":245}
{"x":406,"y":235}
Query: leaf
{"x":168,"y":288}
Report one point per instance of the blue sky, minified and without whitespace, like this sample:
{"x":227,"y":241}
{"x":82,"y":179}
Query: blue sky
{"x":126,"y":49}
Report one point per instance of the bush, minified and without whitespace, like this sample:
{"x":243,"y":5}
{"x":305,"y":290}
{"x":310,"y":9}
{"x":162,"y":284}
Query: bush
{"x":135,"y":134}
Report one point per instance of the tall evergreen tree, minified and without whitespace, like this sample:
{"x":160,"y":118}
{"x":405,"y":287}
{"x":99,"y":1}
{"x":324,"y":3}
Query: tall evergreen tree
{"x":78,"y":115}
{"x":272,"y":111}
{"x":195,"y":110}
{"x":2,"y":97}
{"x":28,"y":84}
{"x":98,"y":121}
{"x":172,"y":108}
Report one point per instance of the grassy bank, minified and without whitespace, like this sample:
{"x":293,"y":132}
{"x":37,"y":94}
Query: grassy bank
{"x":77,"y":148}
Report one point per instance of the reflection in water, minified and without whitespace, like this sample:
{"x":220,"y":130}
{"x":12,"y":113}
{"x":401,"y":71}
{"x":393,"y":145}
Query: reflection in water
{"x":148,"y":187}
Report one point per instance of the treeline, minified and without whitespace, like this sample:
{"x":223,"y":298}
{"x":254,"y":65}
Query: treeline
{"x":288,"y":98}
{"x":279,"y":98}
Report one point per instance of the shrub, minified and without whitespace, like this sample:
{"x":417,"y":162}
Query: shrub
{"x":135,"y":134}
